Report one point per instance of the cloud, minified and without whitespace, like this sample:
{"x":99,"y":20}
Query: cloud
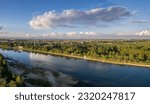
{"x":124,"y":34}
{"x":139,"y":21}
{"x":135,"y":12}
{"x":143,"y":33}
{"x":72,"y":35}
{"x":27,"y":35}
{"x":1,"y":27}
{"x":54,"y":35}
{"x":73,"y":18}
{"x":4,"y":33}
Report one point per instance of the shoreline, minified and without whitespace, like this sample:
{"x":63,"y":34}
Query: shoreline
{"x":96,"y":60}
{"x":79,"y":57}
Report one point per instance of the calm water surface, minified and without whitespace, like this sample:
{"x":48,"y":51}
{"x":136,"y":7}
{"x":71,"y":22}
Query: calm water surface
{"x":93,"y":73}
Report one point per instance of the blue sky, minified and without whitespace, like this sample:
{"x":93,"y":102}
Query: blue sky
{"x":74,"y":18}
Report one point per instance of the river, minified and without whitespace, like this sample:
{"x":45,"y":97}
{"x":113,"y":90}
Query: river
{"x":87,"y":72}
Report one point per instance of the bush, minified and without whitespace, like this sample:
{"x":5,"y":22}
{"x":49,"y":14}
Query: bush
{"x":12,"y":84}
{"x":6,"y":77}
{"x":19,"y":80}
{"x":3,"y":82}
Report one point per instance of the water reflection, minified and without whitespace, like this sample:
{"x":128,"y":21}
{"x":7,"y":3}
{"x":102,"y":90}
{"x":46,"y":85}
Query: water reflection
{"x":97,"y":73}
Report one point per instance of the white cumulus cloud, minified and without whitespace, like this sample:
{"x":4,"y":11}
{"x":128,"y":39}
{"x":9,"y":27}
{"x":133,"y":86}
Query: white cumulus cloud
{"x":74,"y":18}
{"x":69,"y":35}
{"x":143,"y":33}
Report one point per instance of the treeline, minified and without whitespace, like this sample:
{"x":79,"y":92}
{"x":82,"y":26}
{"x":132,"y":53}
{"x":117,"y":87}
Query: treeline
{"x":8,"y":79}
{"x":130,"y":51}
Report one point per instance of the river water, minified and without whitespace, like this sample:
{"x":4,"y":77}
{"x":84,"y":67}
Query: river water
{"x":92,"y":73}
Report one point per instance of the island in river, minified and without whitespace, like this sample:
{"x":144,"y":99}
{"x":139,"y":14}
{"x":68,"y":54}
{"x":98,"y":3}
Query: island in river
{"x":54,"y":73}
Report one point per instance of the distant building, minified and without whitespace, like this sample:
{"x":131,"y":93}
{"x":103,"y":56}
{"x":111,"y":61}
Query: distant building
{"x":20,"y":47}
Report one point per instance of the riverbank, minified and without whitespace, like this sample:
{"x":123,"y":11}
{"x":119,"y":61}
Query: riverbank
{"x":7,"y":78}
{"x":96,"y":60}
{"x":79,"y":57}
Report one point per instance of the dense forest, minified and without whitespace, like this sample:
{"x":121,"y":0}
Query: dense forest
{"x":8,"y":79}
{"x":124,"y":51}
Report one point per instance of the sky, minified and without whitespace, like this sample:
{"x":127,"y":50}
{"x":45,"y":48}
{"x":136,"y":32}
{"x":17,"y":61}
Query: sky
{"x":68,"y":19}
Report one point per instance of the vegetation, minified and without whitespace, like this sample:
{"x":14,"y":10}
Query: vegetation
{"x":7,"y":79}
{"x":121,"y":51}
